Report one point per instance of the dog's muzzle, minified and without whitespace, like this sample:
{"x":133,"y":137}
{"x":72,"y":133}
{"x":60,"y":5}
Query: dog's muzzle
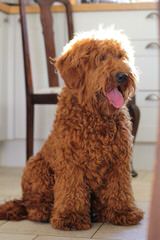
{"x":121,"y":77}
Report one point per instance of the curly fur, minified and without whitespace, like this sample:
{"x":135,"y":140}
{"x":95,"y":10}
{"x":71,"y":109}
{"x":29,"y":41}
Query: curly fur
{"x":83,"y":169}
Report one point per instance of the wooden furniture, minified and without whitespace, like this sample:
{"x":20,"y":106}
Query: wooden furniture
{"x":49,"y":97}
{"x":135,"y":118}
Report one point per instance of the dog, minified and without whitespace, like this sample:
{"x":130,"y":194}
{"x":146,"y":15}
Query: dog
{"x":82,"y":171}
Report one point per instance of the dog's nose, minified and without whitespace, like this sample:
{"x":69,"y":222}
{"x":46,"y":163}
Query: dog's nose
{"x":121,"y":77}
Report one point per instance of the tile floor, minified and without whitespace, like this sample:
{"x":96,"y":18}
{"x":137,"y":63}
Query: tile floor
{"x":26,"y":230}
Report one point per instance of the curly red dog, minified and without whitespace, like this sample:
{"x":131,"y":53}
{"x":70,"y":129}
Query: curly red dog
{"x":83,"y":168}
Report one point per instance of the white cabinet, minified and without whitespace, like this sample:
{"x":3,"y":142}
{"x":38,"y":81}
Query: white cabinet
{"x":2,"y":100}
{"x":147,"y":60}
{"x":39,"y":78}
{"x":148,"y":68}
{"x":136,"y":24}
{"x":6,"y":78}
{"x":44,"y":114}
{"x":148,"y":128}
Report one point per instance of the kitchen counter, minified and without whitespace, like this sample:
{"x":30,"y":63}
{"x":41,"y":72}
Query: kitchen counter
{"x":33,"y":8}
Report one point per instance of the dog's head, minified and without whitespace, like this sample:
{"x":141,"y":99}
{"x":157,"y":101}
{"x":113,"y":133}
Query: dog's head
{"x":98,"y":68}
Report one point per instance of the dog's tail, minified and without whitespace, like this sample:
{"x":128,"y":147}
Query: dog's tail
{"x":13,"y":210}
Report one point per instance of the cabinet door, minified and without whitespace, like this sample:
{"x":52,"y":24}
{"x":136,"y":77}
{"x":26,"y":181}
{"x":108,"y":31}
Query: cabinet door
{"x":8,"y":74}
{"x":44,"y":114}
{"x":2,"y":111}
{"x":148,"y":127}
{"x":147,"y":62}
{"x":38,"y":65}
{"x":148,"y":68}
{"x":6,"y":77}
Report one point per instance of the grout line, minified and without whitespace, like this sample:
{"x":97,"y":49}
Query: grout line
{"x":96,"y":230}
{"x":35,"y":237}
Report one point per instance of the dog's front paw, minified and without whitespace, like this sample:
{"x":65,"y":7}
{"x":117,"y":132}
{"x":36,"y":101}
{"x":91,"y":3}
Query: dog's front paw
{"x":70,"y":221}
{"x":126,"y":217}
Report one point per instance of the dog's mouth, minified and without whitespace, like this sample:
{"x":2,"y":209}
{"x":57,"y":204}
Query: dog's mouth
{"x":115,"y":97}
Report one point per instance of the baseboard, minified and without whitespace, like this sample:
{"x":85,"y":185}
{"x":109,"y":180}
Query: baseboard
{"x":12,"y":153}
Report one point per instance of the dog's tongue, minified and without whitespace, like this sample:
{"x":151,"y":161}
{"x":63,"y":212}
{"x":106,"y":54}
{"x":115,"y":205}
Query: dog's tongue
{"x":115,"y":98}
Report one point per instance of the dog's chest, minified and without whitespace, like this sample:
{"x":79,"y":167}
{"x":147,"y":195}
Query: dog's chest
{"x":105,"y":144}
{"x":98,"y":135}
{"x":101,"y":134}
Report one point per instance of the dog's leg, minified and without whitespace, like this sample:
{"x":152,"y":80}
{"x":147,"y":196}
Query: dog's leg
{"x":71,"y":201}
{"x":37,"y":185}
{"x":115,"y":202}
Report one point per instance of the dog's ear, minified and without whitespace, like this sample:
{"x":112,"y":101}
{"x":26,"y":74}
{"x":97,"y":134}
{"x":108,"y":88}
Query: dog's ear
{"x":71,"y":70}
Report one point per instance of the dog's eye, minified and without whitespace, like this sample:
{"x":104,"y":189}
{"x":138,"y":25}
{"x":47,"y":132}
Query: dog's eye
{"x":102,"y":57}
{"x":120,"y":55}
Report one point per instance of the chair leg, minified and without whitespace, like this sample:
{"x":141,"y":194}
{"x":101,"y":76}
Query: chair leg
{"x":29,"y":129}
{"x":135,"y":117}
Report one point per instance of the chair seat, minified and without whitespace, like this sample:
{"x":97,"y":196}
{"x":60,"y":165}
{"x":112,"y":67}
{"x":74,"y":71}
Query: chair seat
{"x":50,"y":90}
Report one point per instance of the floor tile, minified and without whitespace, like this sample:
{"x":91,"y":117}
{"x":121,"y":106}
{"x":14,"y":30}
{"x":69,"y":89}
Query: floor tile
{"x":26,"y":227}
{"x":10,"y":182}
{"x":6,"y":236}
{"x":139,"y":231}
{"x":122,"y":233}
{"x":142,"y":186}
{"x":2,"y":222}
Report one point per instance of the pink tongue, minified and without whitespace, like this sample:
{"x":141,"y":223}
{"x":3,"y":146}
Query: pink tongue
{"x":115,"y":98}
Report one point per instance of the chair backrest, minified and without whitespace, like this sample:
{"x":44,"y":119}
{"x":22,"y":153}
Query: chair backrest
{"x":48,"y":34}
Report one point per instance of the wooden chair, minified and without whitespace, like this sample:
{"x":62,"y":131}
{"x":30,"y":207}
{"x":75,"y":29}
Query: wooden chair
{"x":135,"y":118}
{"x":50,"y":96}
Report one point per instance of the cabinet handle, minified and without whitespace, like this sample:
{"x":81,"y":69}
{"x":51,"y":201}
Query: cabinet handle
{"x":152,"y":15}
{"x":152,"y":97}
{"x":152,"y":45}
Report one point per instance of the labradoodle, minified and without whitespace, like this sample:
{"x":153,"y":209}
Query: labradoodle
{"x":82,"y":171}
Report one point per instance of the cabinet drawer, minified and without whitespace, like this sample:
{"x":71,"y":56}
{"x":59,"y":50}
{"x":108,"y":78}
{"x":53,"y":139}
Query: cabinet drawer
{"x":148,"y":99}
{"x":148,"y":126}
{"x":136,"y":24}
{"x":148,"y":68}
{"x":146,"y":48}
